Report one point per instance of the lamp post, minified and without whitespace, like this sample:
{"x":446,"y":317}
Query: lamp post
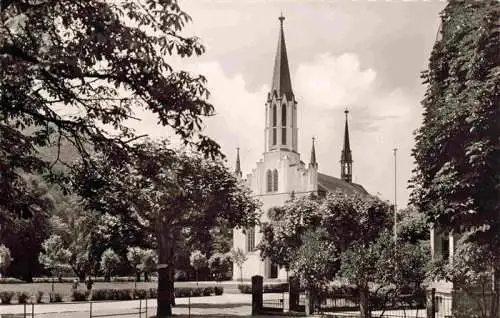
{"x":395,"y":196}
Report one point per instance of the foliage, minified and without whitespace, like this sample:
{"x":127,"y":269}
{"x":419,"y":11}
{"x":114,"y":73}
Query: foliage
{"x":55,"y":257}
{"x":149,"y":261}
{"x":219,"y":265}
{"x":24,"y":236}
{"x":5,"y":258}
{"x":6,"y":297}
{"x":109,"y":262}
{"x":79,"y":71}
{"x":315,"y":261}
{"x":266,"y":288}
{"x":79,"y":295}
{"x":239,"y":258}
{"x":23,"y":297}
{"x":412,"y":225}
{"x":457,"y":147}
{"x":134,"y":257}
{"x":198,"y":261}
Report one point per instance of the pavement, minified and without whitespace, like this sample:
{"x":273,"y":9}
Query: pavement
{"x":226,"y":305}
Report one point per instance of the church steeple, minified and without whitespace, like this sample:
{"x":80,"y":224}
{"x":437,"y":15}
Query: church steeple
{"x":313,"y":162}
{"x":346,"y":155}
{"x":282,"y":84}
{"x":281,"y":133}
{"x":237,"y":170}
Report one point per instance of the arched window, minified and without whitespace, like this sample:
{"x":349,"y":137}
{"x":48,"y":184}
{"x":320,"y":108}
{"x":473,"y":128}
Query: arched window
{"x":250,"y":239}
{"x":283,"y":124}
{"x":274,"y":116}
{"x":275,"y":180}
{"x":283,"y":115}
{"x":269,"y":178}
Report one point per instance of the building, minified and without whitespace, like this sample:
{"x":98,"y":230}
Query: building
{"x":281,"y":173}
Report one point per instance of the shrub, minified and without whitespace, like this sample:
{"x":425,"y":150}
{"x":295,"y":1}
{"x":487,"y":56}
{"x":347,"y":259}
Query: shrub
{"x":140,"y":293}
{"x":266,"y":288}
{"x":207,"y":291}
{"x":80,"y":295}
{"x":11,"y":280}
{"x":39,"y":297}
{"x":56,"y":297}
{"x":180,"y":276}
{"x":153,"y":293}
{"x":99,"y":294}
{"x":218,"y":290}
{"x":22,"y":297}
{"x":6,"y":297}
{"x":245,"y":288}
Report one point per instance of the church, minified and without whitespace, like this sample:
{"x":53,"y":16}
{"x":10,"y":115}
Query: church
{"x":281,"y":173}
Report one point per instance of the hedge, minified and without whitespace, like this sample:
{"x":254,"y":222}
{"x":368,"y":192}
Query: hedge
{"x":267,"y":288}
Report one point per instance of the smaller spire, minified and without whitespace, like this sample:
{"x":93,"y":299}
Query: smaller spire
{"x":346,"y":155}
{"x":313,"y":162}
{"x":237,"y":171}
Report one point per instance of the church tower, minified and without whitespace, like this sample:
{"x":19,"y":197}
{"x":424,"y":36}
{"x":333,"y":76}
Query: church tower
{"x":281,"y":107}
{"x":346,"y":155}
{"x":237,"y":170}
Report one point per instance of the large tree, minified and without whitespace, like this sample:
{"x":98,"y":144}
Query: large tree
{"x":79,"y":71}
{"x":457,"y":152}
{"x":178,"y":197}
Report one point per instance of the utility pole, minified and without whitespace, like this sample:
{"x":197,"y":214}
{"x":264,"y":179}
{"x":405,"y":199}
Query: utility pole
{"x":395,"y":197}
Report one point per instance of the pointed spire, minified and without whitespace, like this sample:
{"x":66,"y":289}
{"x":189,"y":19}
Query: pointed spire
{"x":281,"y":75}
{"x":346,"y":155}
{"x":237,"y":171}
{"x":313,"y":162}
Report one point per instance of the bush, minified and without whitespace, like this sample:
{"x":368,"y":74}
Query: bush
{"x":22,"y":297}
{"x":267,"y":288}
{"x":207,"y":291}
{"x":39,"y":297}
{"x":11,"y":280}
{"x":80,"y":295}
{"x":218,"y":290}
{"x":6,"y":297}
{"x":56,"y":297}
{"x":153,"y":293}
{"x":140,"y":293}
{"x":180,"y":276}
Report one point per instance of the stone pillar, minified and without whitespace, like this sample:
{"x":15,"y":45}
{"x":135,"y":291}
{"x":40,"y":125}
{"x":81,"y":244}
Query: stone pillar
{"x":257,"y":289}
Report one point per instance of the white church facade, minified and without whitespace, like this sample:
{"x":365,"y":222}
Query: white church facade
{"x":281,"y":173}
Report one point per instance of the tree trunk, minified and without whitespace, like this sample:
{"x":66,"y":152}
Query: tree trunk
{"x":166,"y":296}
{"x":146,"y":277}
{"x":495,"y":311}
{"x":137,"y":276}
{"x":364,"y":308}
{"x":241,"y":273}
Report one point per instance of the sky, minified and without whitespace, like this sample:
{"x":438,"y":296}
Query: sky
{"x":361,"y":54}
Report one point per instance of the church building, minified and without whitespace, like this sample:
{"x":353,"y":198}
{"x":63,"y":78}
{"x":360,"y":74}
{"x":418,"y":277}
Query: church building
{"x":281,"y":173}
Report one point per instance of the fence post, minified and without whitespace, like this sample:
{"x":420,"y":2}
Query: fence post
{"x":257,"y":286}
{"x":293,"y":293}
{"x":140,"y":308}
{"x":146,"y":307}
{"x":90,"y":302}
{"x":24,"y":310}
{"x":431,"y":303}
{"x":32,"y":310}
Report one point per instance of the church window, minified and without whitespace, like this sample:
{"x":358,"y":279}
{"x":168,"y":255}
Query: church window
{"x":445,"y":247}
{"x":283,"y":115}
{"x":269,"y":181}
{"x":274,"y":137}
{"x":283,"y":136}
{"x":250,"y":239}
{"x":275,"y":180}
{"x":274,"y":116}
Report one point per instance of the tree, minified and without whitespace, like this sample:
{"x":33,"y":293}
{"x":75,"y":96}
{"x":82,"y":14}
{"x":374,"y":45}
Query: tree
{"x":5,"y":259}
{"x":219,"y":265}
{"x":78,"y":71}
{"x":457,"y":149}
{"x":148,"y":263}
{"x":198,"y":261}
{"x":413,"y":225}
{"x":135,"y":256}
{"x":55,"y":257}
{"x":176,"y":197}
{"x":239,"y":258}
{"x":109,"y":263}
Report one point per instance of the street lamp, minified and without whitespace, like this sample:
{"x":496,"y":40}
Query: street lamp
{"x":395,"y":201}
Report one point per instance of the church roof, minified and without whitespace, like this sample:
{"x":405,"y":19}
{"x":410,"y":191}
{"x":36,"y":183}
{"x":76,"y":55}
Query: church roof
{"x":331,"y":184}
{"x":282,"y":84}
{"x":346,"y":155}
